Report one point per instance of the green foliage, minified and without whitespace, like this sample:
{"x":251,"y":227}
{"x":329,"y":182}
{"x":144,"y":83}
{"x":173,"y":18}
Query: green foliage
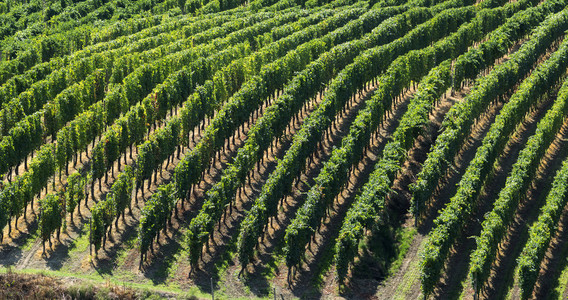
{"x":271,"y":78}
{"x":496,"y":222}
{"x":52,"y":215}
{"x":102,"y":215}
{"x":449,"y":223}
{"x":74,"y":192}
{"x":306,"y":85}
{"x":496,"y":45}
{"x":155,"y":214}
{"x":113,"y":206}
{"x":80,"y":73}
{"x":542,"y":231}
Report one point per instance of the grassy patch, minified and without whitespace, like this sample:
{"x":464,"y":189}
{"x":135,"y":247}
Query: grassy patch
{"x":387,"y":248}
{"x":561,"y":283}
{"x":411,"y":277}
{"x":122,"y":253}
{"x":30,"y":241}
{"x":169,"y":269}
{"x":144,"y":288}
{"x":403,"y":238}
{"x":323,"y":266}
{"x":79,"y":245}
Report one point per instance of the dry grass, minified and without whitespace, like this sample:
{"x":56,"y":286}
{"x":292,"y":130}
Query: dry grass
{"x":37,"y":286}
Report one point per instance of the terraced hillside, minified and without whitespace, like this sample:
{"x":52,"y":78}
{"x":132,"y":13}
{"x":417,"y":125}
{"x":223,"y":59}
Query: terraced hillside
{"x":382,"y":149}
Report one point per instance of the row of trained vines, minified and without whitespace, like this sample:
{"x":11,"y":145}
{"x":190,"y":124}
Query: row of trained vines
{"x":156,"y":122}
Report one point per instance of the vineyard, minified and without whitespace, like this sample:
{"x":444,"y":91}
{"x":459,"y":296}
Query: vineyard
{"x":374,"y":149}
